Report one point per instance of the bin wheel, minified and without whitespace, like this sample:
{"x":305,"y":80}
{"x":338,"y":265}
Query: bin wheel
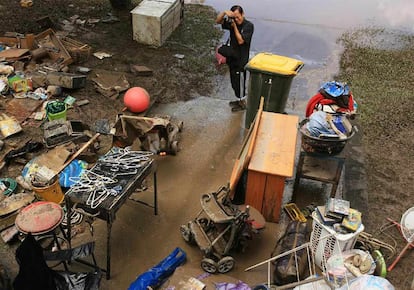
{"x":186,"y":234}
{"x":225,"y":264}
{"x":174,"y":147}
{"x":209,"y":265}
{"x":180,"y":126}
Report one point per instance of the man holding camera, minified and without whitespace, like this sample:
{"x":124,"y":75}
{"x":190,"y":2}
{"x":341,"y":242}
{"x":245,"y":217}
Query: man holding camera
{"x":241,"y":32}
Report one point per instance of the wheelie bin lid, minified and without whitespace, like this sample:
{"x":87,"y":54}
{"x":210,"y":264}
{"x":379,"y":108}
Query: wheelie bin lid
{"x":274,"y":64}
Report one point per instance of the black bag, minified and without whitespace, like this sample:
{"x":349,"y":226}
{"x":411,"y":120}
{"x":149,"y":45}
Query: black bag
{"x":285,"y":271}
{"x":226,"y":50}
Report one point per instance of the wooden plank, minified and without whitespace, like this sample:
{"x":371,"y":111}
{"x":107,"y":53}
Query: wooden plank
{"x":8,"y":234}
{"x":246,"y":150}
{"x":273,"y":195}
{"x":256,"y":183}
{"x":275,"y":150}
{"x":8,"y":220}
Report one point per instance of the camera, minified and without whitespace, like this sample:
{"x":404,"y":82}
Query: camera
{"x":230,"y":19}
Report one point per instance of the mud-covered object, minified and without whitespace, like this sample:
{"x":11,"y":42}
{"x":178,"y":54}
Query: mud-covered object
{"x":30,"y":146}
{"x":285,"y":269}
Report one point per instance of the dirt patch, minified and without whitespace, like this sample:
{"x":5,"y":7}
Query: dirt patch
{"x":378,"y":66}
{"x":173,"y":79}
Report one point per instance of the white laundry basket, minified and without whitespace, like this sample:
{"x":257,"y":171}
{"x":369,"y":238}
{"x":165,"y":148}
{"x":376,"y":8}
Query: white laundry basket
{"x":325,"y":241}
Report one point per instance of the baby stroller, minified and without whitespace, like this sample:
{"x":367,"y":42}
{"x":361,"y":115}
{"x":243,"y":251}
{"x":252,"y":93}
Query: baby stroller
{"x":219,"y":227}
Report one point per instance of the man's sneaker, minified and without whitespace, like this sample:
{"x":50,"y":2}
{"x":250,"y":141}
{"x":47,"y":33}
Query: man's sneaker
{"x":234,"y":103}
{"x":241,"y":106}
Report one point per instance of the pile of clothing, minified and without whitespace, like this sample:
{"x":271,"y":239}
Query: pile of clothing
{"x":329,"y":111}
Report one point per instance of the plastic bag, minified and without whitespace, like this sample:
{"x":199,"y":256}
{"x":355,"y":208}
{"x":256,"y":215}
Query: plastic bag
{"x":157,"y":274}
{"x":230,"y":286}
{"x":219,"y":57}
{"x":369,"y":282}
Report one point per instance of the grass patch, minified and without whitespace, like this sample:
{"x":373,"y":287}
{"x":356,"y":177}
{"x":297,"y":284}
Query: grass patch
{"x":380,"y":75}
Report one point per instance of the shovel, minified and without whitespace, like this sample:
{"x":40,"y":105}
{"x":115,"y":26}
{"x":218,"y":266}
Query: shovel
{"x":101,"y":126}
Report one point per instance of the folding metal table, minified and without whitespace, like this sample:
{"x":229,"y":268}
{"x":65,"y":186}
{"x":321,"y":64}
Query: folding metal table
{"x":108,"y":208}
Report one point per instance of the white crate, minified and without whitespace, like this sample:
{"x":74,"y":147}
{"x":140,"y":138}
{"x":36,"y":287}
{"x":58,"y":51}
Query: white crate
{"x":326,"y":242}
{"x":153,"y":21}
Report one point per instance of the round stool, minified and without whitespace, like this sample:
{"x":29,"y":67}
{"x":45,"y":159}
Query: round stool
{"x":39,"y":218}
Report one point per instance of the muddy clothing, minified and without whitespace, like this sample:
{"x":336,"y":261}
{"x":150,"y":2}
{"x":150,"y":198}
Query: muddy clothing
{"x":240,"y":56}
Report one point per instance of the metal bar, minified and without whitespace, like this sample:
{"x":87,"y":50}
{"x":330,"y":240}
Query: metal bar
{"x":108,"y":248}
{"x":277,"y":257}
{"x":155,"y":192}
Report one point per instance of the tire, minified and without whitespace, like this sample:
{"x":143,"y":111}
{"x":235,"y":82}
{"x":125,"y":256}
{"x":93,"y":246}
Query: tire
{"x":225,"y":264}
{"x":209,"y":265}
{"x":174,"y":147}
{"x":186,"y":234}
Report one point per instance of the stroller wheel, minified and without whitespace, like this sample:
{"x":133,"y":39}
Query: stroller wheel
{"x":186,"y":233}
{"x":225,"y":264}
{"x":209,"y":265}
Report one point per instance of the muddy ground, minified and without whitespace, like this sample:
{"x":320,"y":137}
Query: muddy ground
{"x":379,"y":77}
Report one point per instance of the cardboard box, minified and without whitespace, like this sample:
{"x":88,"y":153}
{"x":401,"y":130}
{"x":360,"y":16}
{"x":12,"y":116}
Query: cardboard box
{"x":66,"y":80}
{"x":153,"y":21}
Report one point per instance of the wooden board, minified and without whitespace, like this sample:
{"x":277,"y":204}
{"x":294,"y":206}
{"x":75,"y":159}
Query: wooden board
{"x":256,"y":183}
{"x":246,"y":150}
{"x":15,"y":202}
{"x":273,"y":195}
{"x":275,"y":149}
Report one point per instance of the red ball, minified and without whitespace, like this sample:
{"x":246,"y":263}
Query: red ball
{"x":136,"y":99}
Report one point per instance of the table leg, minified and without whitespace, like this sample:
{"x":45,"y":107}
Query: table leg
{"x":68,"y":222}
{"x":155,"y":194}
{"x":108,"y":249}
{"x":298,"y":175}
{"x":337,"y":176}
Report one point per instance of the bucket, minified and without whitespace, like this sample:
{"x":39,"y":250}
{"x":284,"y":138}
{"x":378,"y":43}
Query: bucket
{"x":52,"y":192}
{"x":56,"y":110}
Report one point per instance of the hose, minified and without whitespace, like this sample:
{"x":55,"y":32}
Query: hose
{"x":11,"y":185}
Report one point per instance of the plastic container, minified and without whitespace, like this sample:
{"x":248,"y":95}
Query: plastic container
{"x":326,"y":242}
{"x":56,"y":110}
{"x":52,"y":192}
{"x":270,"y":77}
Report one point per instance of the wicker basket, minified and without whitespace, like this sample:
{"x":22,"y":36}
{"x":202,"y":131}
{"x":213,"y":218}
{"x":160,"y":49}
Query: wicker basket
{"x":79,"y":51}
{"x":313,"y":144}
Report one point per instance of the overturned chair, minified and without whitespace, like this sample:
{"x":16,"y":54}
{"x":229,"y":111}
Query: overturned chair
{"x":34,"y":272}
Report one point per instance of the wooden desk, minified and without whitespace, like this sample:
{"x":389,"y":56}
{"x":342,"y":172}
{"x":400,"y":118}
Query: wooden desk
{"x":273,"y":160}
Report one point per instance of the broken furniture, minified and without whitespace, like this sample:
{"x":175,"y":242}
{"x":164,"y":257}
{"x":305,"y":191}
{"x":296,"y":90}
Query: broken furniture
{"x":153,"y":21}
{"x":56,"y":51}
{"x":272,"y":161}
{"x":77,"y":280}
{"x":59,"y":131}
{"x":319,"y":167}
{"x":156,"y":134}
{"x":118,"y":184}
